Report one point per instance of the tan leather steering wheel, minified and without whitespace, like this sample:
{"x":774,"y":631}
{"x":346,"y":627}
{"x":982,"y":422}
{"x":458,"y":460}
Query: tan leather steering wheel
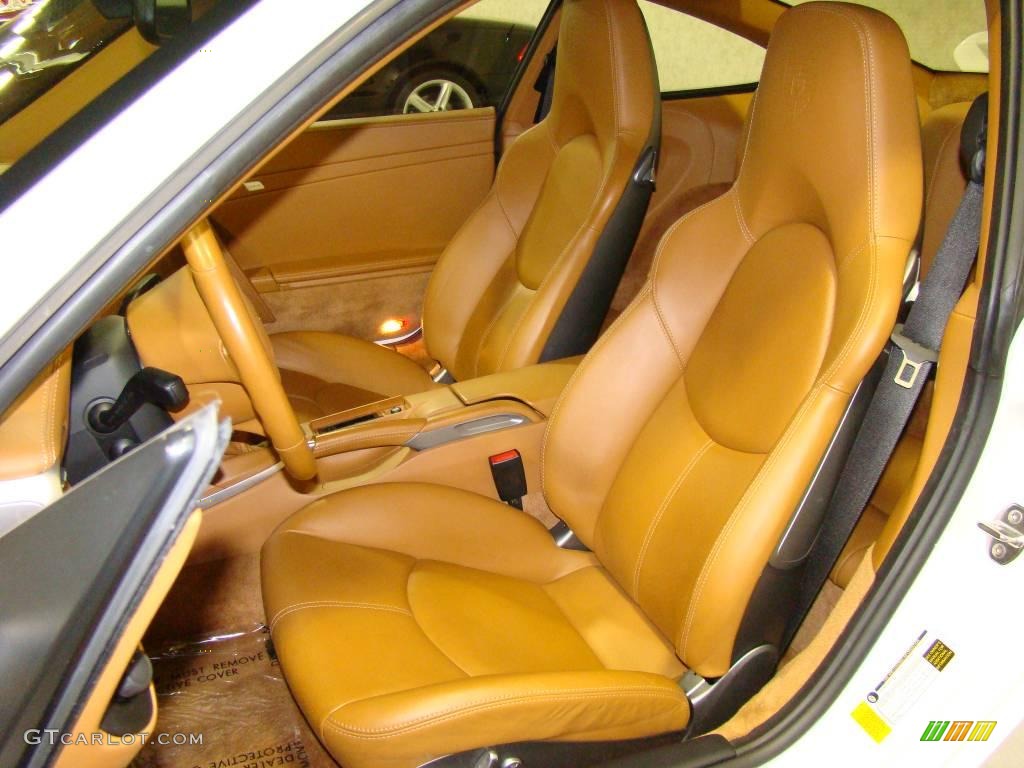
{"x":242,"y":340}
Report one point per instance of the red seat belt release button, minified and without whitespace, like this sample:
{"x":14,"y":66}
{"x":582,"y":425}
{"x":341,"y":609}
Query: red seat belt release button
{"x":509,"y":477}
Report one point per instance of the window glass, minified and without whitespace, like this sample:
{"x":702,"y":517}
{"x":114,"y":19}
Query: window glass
{"x":42,"y":41}
{"x":467,"y":62}
{"x":693,"y":54}
{"x":947,"y":35}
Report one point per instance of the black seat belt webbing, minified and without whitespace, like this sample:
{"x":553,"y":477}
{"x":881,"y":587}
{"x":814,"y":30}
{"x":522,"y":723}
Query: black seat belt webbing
{"x":545,"y":86}
{"x":911,"y":357}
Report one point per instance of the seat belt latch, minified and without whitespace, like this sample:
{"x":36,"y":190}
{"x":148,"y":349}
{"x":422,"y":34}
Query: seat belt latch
{"x":914,"y":357}
{"x":509,"y":477}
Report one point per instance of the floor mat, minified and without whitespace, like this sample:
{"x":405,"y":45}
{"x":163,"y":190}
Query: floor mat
{"x":230,"y":689}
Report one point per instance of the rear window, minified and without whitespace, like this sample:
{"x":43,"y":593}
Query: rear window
{"x":694,"y":55}
{"x":945,"y":35}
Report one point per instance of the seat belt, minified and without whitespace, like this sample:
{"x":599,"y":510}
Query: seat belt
{"x":912,"y":354}
{"x":545,"y":86}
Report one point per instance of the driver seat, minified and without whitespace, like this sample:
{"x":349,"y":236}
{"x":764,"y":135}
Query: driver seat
{"x":417,"y":620}
{"x":530,"y":275}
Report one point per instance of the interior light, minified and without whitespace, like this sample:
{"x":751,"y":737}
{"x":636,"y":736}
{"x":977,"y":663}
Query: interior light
{"x":392,"y":325}
{"x":5,"y":77}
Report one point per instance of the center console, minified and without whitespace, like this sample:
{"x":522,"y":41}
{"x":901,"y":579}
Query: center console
{"x":444,"y":435}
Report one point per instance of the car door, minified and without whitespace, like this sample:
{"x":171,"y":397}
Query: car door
{"x":82,"y":580}
{"x":339,"y":231}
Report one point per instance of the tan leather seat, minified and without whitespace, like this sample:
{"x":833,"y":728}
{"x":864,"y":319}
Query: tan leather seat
{"x":417,"y":620}
{"x":530,"y":275}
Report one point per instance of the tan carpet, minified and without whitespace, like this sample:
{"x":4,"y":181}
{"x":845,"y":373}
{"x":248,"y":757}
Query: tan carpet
{"x":208,"y":599}
{"x":229,"y":689}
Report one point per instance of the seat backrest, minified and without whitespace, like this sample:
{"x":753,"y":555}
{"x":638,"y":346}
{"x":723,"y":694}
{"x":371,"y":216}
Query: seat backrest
{"x":685,"y":441}
{"x":530,"y":275}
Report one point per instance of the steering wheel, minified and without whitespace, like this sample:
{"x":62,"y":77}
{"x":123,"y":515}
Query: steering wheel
{"x":242,"y":340}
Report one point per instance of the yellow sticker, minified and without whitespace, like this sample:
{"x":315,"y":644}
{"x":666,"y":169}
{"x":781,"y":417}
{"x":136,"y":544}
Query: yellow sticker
{"x":939,"y":655}
{"x":871,"y":722}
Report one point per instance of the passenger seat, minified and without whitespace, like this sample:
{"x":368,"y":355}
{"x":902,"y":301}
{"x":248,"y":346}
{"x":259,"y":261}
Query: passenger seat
{"x":530,"y":275}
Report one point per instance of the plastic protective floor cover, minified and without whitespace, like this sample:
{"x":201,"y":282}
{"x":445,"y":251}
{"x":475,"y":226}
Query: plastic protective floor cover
{"x":230,"y":690}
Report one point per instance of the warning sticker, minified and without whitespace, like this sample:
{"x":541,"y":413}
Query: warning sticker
{"x":938,"y":655}
{"x":227,"y":692}
{"x":904,"y":683}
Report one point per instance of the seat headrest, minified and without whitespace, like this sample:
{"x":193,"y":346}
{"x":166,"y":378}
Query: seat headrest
{"x":605,"y":80}
{"x":834,"y":138}
{"x":973,"y":135}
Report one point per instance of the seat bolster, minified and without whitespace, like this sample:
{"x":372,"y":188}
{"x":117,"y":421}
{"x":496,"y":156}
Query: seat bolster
{"x":433,"y":522}
{"x":406,"y":729}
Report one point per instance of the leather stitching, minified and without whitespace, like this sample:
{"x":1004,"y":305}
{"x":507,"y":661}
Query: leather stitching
{"x":861,"y":320}
{"x":484,"y":705}
{"x":744,"y":229}
{"x":737,"y":513}
{"x":871,"y":118}
{"x":871,"y":125}
{"x":667,"y":331}
{"x":49,"y":447}
{"x":600,"y":344}
{"x":750,"y":132}
{"x":656,"y":265}
{"x":497,"y":316}
{"x":656,"y":520}
{"x":616,"y":71}
{"x":296,"y":607}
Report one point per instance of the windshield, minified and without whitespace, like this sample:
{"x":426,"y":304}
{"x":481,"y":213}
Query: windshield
{"x":944,"y":35}
{"x":43,"y":41}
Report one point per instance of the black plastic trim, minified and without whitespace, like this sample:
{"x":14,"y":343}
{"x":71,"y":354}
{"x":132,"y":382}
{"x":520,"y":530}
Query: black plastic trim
{"x":580,"y":754}
{"x":701,"y":93}
{"x":580,"y":320}
{"x":127,"y":250}
{"x":693,"y":753}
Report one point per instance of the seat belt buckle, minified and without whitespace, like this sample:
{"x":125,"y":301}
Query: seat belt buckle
{"x":914,"y":358}
{"x":509,"y":477}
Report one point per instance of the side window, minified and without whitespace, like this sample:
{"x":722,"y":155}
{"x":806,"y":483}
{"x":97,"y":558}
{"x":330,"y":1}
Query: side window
{"x":467,"y":62}
{"x":693,"y":54}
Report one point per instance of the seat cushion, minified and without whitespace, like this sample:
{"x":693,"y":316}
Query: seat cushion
{"x":326,"y":373}
{"x":413,"y":620}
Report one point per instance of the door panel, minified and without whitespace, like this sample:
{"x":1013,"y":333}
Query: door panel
{"x":341,"y":229}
